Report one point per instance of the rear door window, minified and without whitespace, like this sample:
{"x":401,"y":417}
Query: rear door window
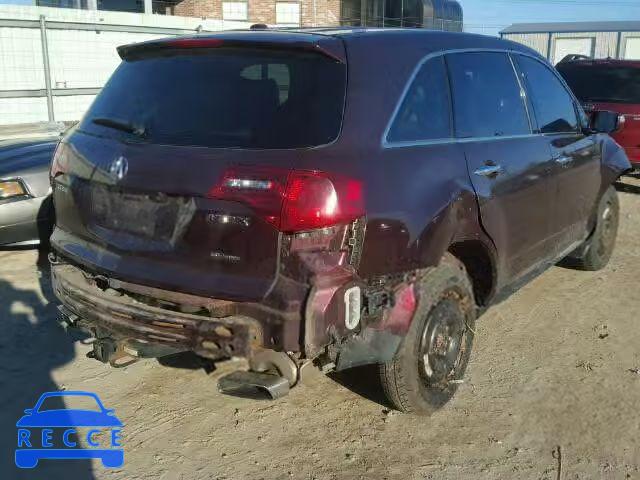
{"x":553,"y":105}
{"x":487,"y":99}
{"x":228,"y":98}
{"x":425,"y":112}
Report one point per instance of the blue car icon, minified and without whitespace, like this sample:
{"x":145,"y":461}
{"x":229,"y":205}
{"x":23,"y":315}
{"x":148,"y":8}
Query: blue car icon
{"x":28,"y":457}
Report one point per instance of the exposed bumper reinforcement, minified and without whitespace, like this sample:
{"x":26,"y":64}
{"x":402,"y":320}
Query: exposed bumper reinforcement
{"x":126,"y":320}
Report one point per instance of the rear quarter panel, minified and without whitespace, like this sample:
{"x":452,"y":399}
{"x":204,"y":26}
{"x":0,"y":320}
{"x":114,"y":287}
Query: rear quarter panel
{"x":419,"y":199}
{"x":423,"y":203}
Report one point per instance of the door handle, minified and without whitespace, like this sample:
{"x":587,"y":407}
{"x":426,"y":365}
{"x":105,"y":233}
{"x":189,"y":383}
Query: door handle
{"x":563,"y":159}
{"x":489,"y":171}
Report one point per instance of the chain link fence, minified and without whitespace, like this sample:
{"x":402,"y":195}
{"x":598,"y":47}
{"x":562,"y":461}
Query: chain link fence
{"x":55,"y":60}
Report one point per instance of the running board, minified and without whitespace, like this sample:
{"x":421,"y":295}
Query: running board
{"x":239,"y":382}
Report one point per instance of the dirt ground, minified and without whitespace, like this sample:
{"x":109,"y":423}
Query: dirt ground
{"x":554,"y":367}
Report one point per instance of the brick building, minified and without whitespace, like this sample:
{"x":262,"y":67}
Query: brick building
{"x":436,"y":14}
{"x":271,"y":12}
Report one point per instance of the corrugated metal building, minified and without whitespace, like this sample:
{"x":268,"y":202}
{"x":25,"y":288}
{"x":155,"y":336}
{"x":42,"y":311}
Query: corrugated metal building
{"x":593,"y":39}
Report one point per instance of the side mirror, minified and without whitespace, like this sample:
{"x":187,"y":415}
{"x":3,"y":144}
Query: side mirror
{"x":29,"y":411}
{"x":604,"y":121}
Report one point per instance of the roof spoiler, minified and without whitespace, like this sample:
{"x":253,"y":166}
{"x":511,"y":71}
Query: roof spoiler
{"x":328,"y":46}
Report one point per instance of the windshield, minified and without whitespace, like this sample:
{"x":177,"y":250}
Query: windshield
{"x":603,"y":83}
{"x":231,"y":98}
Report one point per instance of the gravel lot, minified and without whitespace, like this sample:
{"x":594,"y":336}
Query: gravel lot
{"x":554,"y":367}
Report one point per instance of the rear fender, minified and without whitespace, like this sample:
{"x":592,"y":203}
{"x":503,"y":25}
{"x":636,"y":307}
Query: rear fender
{"x":614,"y":164}
{"x":615,"y":161}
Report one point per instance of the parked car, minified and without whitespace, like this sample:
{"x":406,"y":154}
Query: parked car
{"x":351,"y":196}
{"x":609,"y":85}
{"x":26,"y":209}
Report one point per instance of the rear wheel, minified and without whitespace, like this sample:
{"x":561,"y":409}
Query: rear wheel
{"x":434,"y":355}
{"x":599,"y":247}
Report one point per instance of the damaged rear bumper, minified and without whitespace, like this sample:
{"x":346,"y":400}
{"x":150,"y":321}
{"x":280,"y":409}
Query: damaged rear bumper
{"x":124,"y":318}
{"x":117,"y":317}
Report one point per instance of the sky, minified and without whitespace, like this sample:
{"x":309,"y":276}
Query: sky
{"x":490,"y":16}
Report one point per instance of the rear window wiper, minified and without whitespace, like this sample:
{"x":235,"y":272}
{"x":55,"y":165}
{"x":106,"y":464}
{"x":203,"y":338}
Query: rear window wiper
{"x":136,"y":130}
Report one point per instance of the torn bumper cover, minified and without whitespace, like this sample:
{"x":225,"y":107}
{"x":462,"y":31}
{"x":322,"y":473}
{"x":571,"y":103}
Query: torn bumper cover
{"x":124,"y":320}
{"x":380,"y":340}
{"x":125,"y":317}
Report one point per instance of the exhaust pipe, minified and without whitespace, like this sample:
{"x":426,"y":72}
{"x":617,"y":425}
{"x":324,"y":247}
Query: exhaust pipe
{"x":66,"y":318}
{"x":239,"y":382}
{"x":272,"y":372}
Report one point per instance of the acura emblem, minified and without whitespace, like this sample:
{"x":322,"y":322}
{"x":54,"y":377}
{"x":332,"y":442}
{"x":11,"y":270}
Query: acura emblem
{"x":119,"y":168}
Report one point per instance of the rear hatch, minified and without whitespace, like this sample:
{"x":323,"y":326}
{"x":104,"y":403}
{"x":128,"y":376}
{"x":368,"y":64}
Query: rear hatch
{"x":611,"y":86}
{"x":137,"y":182}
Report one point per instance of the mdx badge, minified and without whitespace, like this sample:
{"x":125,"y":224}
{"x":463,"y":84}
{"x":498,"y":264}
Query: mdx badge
{"x":119,"y":168}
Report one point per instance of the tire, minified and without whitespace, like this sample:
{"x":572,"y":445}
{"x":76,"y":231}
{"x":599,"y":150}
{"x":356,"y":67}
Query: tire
{"x":443,"y":327}
{"x":599,"y":247}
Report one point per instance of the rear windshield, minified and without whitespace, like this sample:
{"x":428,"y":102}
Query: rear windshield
{"x":230,"y":98}
{"x":603,"y":83}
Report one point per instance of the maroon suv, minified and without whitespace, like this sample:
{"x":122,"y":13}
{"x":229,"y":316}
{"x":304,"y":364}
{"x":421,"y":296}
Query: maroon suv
{"x":609,"y":85}
{"x":346,"y":196}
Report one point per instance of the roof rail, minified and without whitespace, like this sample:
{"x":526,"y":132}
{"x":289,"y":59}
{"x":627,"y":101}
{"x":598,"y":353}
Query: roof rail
{"x":259,"y":26}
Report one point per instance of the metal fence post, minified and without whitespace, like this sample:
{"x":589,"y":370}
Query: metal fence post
{"x":549,"y":45}
{"x":47,"y":68}
{"x":619,"y":46}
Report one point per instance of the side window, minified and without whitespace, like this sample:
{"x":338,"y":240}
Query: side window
{"x":487,"y":98}
{"x":553,"y":106}
{"x":425,"y":111}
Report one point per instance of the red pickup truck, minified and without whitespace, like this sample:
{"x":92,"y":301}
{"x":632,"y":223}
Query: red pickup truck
{"x":609,"y":85}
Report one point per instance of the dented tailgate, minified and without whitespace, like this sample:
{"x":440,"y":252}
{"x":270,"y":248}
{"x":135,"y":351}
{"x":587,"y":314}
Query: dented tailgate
{"x":160,"y":231}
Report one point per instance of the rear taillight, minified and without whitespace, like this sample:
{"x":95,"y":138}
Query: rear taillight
{"x":125,"y":51}
{"x":194,"y":43}
{"x":60,"y":161}
{"x":293,"y":200}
